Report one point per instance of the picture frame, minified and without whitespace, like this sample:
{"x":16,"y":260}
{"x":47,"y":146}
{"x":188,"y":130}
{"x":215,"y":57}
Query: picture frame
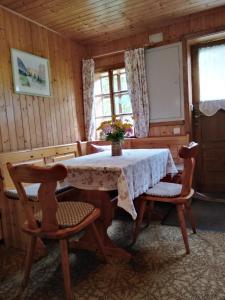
{"x":30,"y":74}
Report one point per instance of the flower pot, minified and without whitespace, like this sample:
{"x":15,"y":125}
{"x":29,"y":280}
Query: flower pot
{"x":116,"y":149}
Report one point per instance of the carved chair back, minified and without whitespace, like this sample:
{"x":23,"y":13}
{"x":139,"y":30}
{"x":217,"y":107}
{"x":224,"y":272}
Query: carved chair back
{"x":189,"y":154}
{"x":47,"y":177}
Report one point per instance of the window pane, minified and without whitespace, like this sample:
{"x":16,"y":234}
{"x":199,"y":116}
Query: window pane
{"x":119,"y":80}
{"x":122,"y":104}
{"x":123,"y":82}
{"x":115,"y":83}
{"x":212,"y":73}
{"x":101,"y":83}
{"x":97,"y":87}
{"x":105,"y":85}
{"x":102,"y":106}
{"x":120,"y":101}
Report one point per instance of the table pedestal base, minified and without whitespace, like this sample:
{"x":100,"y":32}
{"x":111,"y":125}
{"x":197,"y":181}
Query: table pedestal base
{"x":106,"y":202}
{"x":88,"y":242}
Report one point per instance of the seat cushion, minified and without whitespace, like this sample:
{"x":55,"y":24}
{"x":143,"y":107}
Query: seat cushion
{"x":70,"y":214}
{"x":180,"y":167}
{"x":165,"y":189}
{"x":100,"y":148}
{"x":32,"y":191}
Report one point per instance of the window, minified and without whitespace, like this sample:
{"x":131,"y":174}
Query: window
{"x":111,"y":96}
{"x":212,"y":72}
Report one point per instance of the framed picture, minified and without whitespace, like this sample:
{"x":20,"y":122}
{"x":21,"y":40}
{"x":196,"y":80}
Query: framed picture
{"x":30,"y":73}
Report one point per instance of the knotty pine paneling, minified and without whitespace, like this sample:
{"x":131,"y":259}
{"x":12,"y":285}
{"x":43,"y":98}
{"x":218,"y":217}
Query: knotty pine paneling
{"x":31,"y":121}
{"x":102,"y":20}
{"x":193,"y":25}
{"x":199,"y":23}
{"x":105,"y":62}
{"x":166,"y":129}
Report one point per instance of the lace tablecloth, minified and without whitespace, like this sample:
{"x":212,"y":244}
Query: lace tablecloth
{"x":131,"y":174}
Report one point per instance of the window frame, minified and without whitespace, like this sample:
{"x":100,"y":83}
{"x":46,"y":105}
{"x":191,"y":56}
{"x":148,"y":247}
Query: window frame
{"x":111,"y":93}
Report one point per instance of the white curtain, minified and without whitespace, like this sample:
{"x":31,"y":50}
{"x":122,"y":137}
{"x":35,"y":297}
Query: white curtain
{"x":212,"y":79}
{"x":137,"y":87}
{"x":210,"y":108}
{"x":88,"y":73}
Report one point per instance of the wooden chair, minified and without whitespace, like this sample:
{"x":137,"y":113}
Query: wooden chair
{"x":55,"y":220}
{"x":179,"y":194}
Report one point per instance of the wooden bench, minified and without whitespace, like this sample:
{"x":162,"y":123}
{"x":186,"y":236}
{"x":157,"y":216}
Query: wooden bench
{"x":11,"y":213}
{"x":174,"y":143}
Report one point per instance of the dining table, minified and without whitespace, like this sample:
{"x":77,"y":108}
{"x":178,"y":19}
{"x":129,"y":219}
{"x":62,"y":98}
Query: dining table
{"x":105,"y":181}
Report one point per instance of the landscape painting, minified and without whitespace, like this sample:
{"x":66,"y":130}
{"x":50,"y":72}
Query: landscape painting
{"x":30,"y":73}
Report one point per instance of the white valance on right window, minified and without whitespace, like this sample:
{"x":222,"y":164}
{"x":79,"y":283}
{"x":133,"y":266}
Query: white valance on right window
{"x":209,"y":108}
{"x":212,"y":79}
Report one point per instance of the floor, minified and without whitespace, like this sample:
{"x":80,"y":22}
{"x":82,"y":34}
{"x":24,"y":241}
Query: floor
{"x":159,"y":269}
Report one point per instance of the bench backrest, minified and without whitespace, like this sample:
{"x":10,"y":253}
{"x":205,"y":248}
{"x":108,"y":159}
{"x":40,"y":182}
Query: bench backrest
{"x":38,"y":156}
{"x":45,"y":155}
{"x":174,"y":143}
{"x":11,"y":214}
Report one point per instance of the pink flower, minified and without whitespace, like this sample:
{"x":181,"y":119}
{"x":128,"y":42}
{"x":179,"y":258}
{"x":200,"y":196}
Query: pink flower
{"x":107,"y":128}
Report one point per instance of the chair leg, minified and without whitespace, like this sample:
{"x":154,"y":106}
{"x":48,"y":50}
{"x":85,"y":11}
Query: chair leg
{"x":180,"y":212}
{"x":139,"y":220}
{"x":99,"y":240}
{"x":29,"y":260}
{"x":150,"y":211}
{"x":66,"y":269}
{"x":190,"y":215}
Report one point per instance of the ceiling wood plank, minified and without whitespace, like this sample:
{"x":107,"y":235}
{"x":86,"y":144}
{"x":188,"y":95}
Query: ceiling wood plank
{"x":104,"y":20}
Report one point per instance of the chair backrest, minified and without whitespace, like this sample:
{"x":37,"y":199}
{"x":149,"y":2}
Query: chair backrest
{"x":188,"y":154}
{"x":47,"y":177}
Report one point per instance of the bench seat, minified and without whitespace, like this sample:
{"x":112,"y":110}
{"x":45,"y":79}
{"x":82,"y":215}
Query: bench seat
{"x":11,"y":211}
{"x":32,"y":191}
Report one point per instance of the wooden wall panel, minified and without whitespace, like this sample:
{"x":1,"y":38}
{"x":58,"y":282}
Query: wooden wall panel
{"x":32,"y":121}
{"x":200,"y":23}
{"x":166,"y":129}
{"x":76,"y":64}
{"x":104,"y":20}
{"x":105,"y":62}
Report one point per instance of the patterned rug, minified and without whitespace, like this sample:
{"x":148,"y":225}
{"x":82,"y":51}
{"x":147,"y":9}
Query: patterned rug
{"x":208,"y":215}
{"x":159,"y":269}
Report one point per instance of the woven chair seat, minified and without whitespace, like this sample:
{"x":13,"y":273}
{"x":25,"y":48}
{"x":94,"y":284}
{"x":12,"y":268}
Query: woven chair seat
{"x":165,"y":189}
{"x":70,"y":214}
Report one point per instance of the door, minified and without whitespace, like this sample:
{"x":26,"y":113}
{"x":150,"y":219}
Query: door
{"x":208,"y":82}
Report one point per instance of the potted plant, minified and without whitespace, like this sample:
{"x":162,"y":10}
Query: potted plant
{"x":115,"y":131}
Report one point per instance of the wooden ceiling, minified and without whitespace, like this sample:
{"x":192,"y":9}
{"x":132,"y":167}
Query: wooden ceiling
{"x":91,"y":21}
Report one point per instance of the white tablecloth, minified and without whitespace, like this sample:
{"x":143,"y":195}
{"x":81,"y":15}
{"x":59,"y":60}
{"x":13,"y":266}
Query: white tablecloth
{"x":131,"y":174}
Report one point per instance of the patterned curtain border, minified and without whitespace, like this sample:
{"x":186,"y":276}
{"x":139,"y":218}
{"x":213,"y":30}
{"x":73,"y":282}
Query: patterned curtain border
{"x":137,"y":88}
{"x":88,"y":74}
